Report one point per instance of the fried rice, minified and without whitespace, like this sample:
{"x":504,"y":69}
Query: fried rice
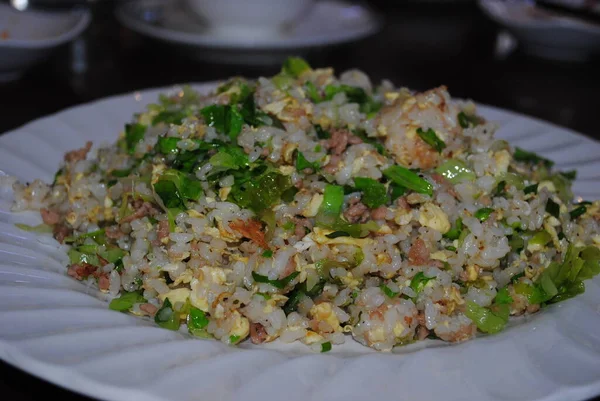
{"x":313,"y":207}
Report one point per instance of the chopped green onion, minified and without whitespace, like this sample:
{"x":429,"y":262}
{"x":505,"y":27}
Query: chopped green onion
{"x":419,"y":281}
{"x":196,"y":320}
{"x":406,"y":178}
{"x":485,"y":319}
{"x":326,"y":346}
{"x":333,"y":199}
{"x":531,"y":158}
{"x":454,"y":232}
{"x":134,"y":133}
{"x":388,"y":291}
{"x":531,"y":189}
{"x":337,"y":234}
{"x":484,"y":213}
{"x":280,"y":284}
{"x":553,"y":208}
{"x":302,"y":163}
{"x":578,"y":211}
{"x":516,"y":243}
{"x":313,"y":92}
{"x":295,"y":66}
{"x":540,"y":238}
{"x":430,"y":138}
{"x":569,"y":175}
{"x":321,"y":133}
{"x":456,"y":171}
{"x":126,"y":301}
{"x":500,"y":189}
{"x":503,"y":297}
{"x":225,"y":119}
{"x":516,"y":277}
{"x":451,"y":248}
{"x":466,"y":120}
{"x":396,"y":191}
{"x":233,"y":339}
{"x":373,"y":192}
{"x":166,"y":317}
{"x":40,"y":228}
{"x":267,"y":254}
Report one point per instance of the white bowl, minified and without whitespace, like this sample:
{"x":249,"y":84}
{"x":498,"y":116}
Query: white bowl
{"x":243,"y":18}
{"x":545,"y":34}
{"x":27,"y":37}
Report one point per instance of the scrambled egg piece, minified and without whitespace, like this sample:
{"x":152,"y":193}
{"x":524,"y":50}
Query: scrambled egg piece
{"x":179,"y":295}
{"x":241,"y":325}
{"x":201,"y":284}
{"x":319,"y":235}
{"x":323,"y":312}
{"x":549,"y":185}
{"x":157,"y":171}
{"x":502,"y":159}
{"x":287,"y":170}
{"x":472,"y":272}
{"x":288,"y":151}
{"x":312,"y":208}
{"x":403,"y":216}
{"x":312,"y":337}
{"x":398,"y":329}
{"x":432,"y":216}
{"x":349,"y":280}
{"x":224,"y":192}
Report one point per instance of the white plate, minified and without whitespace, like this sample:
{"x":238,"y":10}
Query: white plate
{"x":31,"y":35}
{"x":544,"y":33}
{"x":328,"y":23}
{"x":55,"y":328}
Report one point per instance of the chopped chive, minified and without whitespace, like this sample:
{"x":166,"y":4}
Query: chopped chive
{"x":326,"y":347}
{"x":531,"y":158}
{"x":431,"y":139}
{"x":578,"y":211}
{"x":484,"y":213}
{"x":388,"y":291}
{"x":234,"y":339}
{"x":553,"y":208}
{"x":267,"y":254}
{"x":408,"y":179}
{"x":336,"y":234}
{"x":531,"y":189}
{"x":451,"y":248}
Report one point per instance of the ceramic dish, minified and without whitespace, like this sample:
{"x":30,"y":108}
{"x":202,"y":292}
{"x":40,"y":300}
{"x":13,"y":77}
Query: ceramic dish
{"x":56,"y":328}
{"x":28,"y":37}
{"x":328,"y":23}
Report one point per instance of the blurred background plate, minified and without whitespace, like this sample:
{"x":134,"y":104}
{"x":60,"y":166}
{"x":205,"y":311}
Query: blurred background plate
{"x":26,"y":38}
{"x":328,"y":23}
{"x":545,"y":33}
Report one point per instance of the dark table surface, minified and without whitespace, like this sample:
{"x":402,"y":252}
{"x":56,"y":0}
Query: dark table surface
{"x":421,"y":46}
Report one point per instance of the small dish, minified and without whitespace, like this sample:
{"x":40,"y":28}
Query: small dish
{"x":543,"y":33}
{"x":328,"y":23}
{"x":27,"y":37}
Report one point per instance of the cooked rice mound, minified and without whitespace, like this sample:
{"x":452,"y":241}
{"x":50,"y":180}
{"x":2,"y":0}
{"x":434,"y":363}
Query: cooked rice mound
{"x":310,"y":207}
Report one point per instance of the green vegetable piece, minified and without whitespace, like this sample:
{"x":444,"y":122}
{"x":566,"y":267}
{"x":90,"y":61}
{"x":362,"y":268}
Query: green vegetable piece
{"x":485,"y":320}
{"x":321,"y":133}
{"x":169,"y":117}
{"x":408,"y":179}
{"x":484,"y":213}
{"x":280,"y":284}
{"x":126,"y":301}
{"x":333,"y":199}
{"x":234,"y":339}
{"x":373,"y":192}
{"x":516,"y":243}
{"x":167,"y":145}
{"x":467,"y":120}
{"x":569,"y":175}
{"x":337,"y":234}
{"x":419,"y":281}
{"x":516,"y":277}
{"x":169,"y":194}
{"x":134,"y":133}
{"x":313,"y":92}
{"x":226,"y":119}
{"x":503,"y":297}
{"x":262,"y":192}
{"x":39,"y":229}
{"x":388,"y":292}
{"x":553,"y":208}
{"x":326,"y":346}
{"x":197,"y":322}
{"x":396,"y":191}
{"x":500,"y":189}
{"x":431,"y":139}
{"x":531,"y":158}
{"x":451,"y":248}
{"x":540,"y":238}
{"x":578,"y":211}
{"x":371,"y":141}
{"x":295,"y":66}
{"x":454,"y":232}
{"x":166,"y":317}
{"x":302,"y":163}
{"x":267,"y":254}
{"x":531,"y":189}
{"x":456,"y":171}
